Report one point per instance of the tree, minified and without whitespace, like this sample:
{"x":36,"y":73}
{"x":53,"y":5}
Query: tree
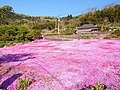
{"x":7,"y":8}
{"x":4,"y":12}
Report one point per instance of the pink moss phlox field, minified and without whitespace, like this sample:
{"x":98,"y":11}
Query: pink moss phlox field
{"x":61,"y":65}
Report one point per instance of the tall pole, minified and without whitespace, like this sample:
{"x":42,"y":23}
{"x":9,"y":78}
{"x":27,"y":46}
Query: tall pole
{"x":58,"y":25}
{"x":55,"y":24}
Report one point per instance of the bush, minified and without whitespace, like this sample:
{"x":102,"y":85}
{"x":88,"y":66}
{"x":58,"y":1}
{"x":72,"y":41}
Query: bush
{"x":10,"y":34}
{"x":116,"y":32}
{"x":8,"y":68}
{"x":39,"y":27}
{"x":87,"y":37}
{"x":68,"y":31}
{"x":98,"y":86}
{"x":115,"y":35}
{"x":108,"y":37}
{"x":23,"y":84}
{"x":2,"y":44}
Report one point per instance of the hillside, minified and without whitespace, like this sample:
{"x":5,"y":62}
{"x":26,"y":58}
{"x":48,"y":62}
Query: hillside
{"x":106,"y":17}
{"x":9,"y":17}
{"x":19,"y":27}
{"x":16,"y":28}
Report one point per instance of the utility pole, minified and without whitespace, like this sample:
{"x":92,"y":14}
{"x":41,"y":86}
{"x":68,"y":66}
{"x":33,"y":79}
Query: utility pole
{"x":55,"y":23}
{"x":58,"y":25}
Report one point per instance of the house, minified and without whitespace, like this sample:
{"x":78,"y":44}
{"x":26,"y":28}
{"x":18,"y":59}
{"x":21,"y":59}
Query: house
{"x":86,"y":28}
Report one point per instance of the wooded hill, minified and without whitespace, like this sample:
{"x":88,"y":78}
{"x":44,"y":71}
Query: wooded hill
{"x":106,"y":17}
{"x":16,"y":28}
{"x":9,"y":17}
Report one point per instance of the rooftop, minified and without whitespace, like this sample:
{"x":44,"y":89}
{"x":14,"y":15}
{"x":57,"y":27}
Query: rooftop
{"x":87,"y":26}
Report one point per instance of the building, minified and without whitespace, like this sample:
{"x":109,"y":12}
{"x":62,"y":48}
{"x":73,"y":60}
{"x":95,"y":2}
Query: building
{"x":86,"y":28}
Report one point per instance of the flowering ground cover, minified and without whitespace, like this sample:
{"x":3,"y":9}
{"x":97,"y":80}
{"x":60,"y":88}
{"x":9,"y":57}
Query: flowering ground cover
{"x":61,"y":65}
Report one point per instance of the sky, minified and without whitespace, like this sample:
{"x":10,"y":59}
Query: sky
{"x":57,"y":8}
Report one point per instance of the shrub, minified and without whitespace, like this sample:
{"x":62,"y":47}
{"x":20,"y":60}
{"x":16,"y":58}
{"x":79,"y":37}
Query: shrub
{"x":10,"y":34}
{"x":116,"y":32}
{"x":9,"y":68}
{"x":37,"y":34}
{"x":68,"y":31}
{"x":98,"y":86}
{"x":2,"y":44}
{"x":107,"y":37}
{"x":115,"y":35}
{"x":23,"y":84}
{"x":40,"y":26}
{"x":87,"y":37}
